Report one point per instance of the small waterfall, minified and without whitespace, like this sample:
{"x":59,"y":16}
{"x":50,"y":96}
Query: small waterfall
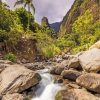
{"x":47,"y":89}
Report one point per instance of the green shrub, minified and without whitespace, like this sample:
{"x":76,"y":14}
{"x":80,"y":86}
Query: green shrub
{"x":10,"y":56}
{"x":50,"y":51}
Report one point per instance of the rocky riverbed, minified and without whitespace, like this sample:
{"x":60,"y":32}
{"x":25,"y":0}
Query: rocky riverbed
{"x":65,"y":77}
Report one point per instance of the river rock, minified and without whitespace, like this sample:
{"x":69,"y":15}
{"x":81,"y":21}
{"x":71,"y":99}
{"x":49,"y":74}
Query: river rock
{"x":90,"y":60}
{"x":2,"y":67}
{"x":96,"y":45}
{"x":75,"y":94}
{"x":56,"y":70}
{"x":70,"y":74}
{"x":16,"y":78}
{"x":90,"y":81}
{"x":59,"y":67}
{"x":14,"y":96}
{"x":6,"y":62}
{"x":34,"y":66}
{"x":74,"y":63}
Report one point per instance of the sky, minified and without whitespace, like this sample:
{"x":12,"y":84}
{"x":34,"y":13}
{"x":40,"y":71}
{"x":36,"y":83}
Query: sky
{"x":54,"y":10}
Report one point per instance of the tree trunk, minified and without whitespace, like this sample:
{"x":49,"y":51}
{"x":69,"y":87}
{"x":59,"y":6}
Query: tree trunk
{"x":28,"y":17}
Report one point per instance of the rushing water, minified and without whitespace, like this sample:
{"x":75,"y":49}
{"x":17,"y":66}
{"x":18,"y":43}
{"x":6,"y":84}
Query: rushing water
{"x":46,"y":89}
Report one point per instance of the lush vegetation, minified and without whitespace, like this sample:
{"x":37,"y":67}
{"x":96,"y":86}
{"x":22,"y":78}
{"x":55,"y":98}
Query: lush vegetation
{"x":10,"y":56}
{"x":84,"y":33}
{"x":20,"y":23}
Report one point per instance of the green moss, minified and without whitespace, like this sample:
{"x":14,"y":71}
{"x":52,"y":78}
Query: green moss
{"x":58,"y":96}
{"x":10,"y":56}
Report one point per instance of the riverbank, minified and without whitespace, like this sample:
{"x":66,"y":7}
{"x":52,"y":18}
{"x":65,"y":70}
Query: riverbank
{"x":65,"y":77}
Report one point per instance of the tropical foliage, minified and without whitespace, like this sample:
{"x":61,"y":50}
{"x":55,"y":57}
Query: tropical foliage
{"x":84,"y":33}
{"x":18,"y":24}
{"x":30,"y":5}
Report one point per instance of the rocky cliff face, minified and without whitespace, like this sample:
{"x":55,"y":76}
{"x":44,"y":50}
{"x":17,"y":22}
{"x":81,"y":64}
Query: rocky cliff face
{"x":26,"y":50}
{"x":55,"y":26}
{"x":45,"y":22}
{"x":79,"y":8}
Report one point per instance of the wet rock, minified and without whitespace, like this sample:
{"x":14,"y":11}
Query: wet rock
{"x":90,"y":60}
{"x":75,"y":94}
{"x":70,"y":74}
{"x":73,"y":86}
{"x":14,"y":96}
{"x":52,"y":70}
{"x":2,"y":67}
{"x":59,"y":67}
{"x":16,"y":78}
{"x":34,"y":66}
{"x":90,"y":81}
{"x":58,"y":79}
{"x":56,"y":70}
{"x":74,"y":63}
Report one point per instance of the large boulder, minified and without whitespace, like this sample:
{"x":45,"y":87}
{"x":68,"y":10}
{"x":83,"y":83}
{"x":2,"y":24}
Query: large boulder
{"x":96,"y":45}
{"x":4,"y":64}
{"x":2,"y":67}
{"x":59,"y":67}
{"x":14,"y":96}
{"x":70,"y":74}
{"x":90,"y":60}
{"x":74,"y":63}
{"x":56,"y":70}
{"x":75,"y":94}
{"x":90,"y":81}
{"x":16,"y":78}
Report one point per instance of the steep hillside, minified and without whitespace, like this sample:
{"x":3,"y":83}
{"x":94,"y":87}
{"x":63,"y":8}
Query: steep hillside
{"x":79,"y":8}
{"x":55,"y":26}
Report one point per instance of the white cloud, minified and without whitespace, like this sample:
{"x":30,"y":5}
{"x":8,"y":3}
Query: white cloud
{"x":4,"y":1}
{"x":55,"y":10}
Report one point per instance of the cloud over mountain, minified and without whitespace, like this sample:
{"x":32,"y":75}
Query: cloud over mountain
{"x":54,"y":10}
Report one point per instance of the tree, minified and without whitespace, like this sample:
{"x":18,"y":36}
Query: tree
{"x":23,"y":16}
{"x":30,"y":6}
{"x":9,"y":20}
{"x":3,"y":4}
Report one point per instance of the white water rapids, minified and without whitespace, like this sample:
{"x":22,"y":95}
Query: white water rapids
{"x":47,"y":89}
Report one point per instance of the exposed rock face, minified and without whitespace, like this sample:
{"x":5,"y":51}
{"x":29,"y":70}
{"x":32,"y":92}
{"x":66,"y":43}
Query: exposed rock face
{"x":79,"y":7}
{"x":55,"y":26}
{"x":90,"y":81}
{"x":70,"y":74}
{"x":14,"y":96}
{"x":26,"y":50}
{"x":2,"y":67}
{"x":90,"y":60}
{"x":4,"y":64}
{"x":45,"y":22}
{"x":75,"y":94}
{"x":16,"y":78}
{"x":96,"y":45}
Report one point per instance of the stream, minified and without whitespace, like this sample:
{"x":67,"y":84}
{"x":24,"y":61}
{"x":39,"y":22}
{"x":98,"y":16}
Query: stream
{"x":47,"y":89}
